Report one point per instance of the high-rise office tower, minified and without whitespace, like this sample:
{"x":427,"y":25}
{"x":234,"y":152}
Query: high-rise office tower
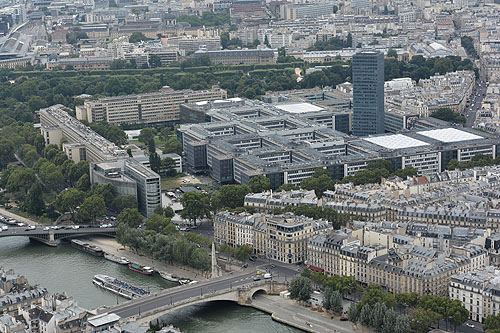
{"x":368,"y":93}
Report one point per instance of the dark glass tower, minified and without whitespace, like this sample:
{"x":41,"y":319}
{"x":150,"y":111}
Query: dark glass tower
{"x":368,"y":90}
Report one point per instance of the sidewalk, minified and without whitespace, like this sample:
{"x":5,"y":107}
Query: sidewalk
{"x":110,"y":245}
{"x":287,"y":312}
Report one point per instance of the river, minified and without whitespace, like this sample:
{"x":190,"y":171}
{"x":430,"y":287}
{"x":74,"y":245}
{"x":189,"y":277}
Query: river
{"x":67,"y":269}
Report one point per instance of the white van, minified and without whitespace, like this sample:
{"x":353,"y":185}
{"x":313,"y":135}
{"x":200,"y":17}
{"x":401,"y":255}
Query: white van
{"x":267,"y":276}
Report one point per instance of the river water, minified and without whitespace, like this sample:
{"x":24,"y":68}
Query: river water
{"x":64,"y":268}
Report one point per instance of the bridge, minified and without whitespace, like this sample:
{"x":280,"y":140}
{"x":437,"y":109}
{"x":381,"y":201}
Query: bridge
{"x":240,"y":288}
{"x":51,"y":236}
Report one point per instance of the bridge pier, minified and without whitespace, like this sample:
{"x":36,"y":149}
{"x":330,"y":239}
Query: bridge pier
{"x":45,"y":241}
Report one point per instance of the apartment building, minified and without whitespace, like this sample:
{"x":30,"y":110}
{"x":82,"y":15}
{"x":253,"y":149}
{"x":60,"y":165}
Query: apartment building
{"x":479,"y":292}
{"x":148,"y":108}
{"x":269,"y":200}
{"x":279,"y":237}
{"x":396,"y":267}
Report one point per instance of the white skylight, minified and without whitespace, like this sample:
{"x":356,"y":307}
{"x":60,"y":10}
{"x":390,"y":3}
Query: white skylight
{"x":396,"y":141}
{"x":299,"y":107}
{"x":449,"y":135}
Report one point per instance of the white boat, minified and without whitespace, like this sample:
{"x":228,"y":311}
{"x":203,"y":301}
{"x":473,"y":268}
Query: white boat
{"x":169,"y":277}
{"x":116,"y":286}
{"x":118,"y":260}
{"x":184,"y":281}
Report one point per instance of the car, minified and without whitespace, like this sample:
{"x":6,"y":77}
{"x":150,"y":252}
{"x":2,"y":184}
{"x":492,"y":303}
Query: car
{"x":343,"y":319}
{"x":251,"y":259}
{"x":245,"y":265}
{"x":33,"y":227}
{"x":76,"y":227}
{"x":267,"y":276}
{"x":257,"y":278}
{"x":469,"y":325}
{"x":4,"y":228}
{"x":194,"y":227}
{"x":273,"y":266}
{"x":259,"y":272}
{"x":27,"y":229}
{"x":20,"y":224}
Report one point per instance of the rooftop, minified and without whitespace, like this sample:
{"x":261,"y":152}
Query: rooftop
{"x":449,"y":135}
{"x":396,"y":141}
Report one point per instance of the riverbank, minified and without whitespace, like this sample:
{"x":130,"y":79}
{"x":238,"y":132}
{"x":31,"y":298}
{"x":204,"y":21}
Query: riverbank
{"x":110,"y":245}
{"x":290,"y":313}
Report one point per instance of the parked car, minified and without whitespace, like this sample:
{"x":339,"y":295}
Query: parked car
{"x":257,"y":278}
{"x":267,"y":276}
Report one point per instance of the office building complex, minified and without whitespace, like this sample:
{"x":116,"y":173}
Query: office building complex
{"x":287,"y":141}
{"x":108,"y":163}
{"x":148,"y":108}
{"x":236,"y":57}
{"x":368,"y":93}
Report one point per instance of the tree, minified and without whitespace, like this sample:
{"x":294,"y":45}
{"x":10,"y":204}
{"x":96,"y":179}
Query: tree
{"x":146,"y":135}
{"x":378,"y":315}
{"x":492,"y":322}
{"x":196,"y":206}
{"x":107,"y":191}
{"x":422,"y":319}
{"x":157,"y":223}
{"x":300,"y":289}
{"x":130,"y":217}
{"x":232,"y":196}
{"x":124,"y":201}
{"x":389,"y":321}
{"x":352,"y":314}
{"x":287,"y":187}
{"x":68,"y":201}
{"x":83,"y":184}
{"x":6,"y":152}
{"x":172,"y":145}
{"x":365,"y":315}
{"x":51,"y":176}
{"x":336,"y":302}
{"x":243,"y":253}
{"x":20,"y":181}
{"x":392,"y":53}
{"x":76,"y":171}
{"x":457,"y":314}
{"x":137,"y":37}
{"x":91,"y":208}
{"x":259,"y":184}
{"x":154,"y":61}
{"x":447,"y":114}
{"x":34,"y":203}
{"x":402,"y":325}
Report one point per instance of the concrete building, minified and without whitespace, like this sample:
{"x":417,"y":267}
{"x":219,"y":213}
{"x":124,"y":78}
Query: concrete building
{"x":148,"y":108}
{"x":108,"y":163}
{"x":368,"y":93}
{"x":236,"y":57}
{"x":267,"y":201}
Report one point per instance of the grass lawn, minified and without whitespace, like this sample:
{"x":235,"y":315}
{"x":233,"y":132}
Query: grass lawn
{"x":171,"y":182}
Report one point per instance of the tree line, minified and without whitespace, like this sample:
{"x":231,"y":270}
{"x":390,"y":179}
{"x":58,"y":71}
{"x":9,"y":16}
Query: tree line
{"x":159,"y":238}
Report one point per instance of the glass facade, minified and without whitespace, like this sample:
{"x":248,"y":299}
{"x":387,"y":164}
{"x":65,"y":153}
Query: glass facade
{"x":368,"y":93}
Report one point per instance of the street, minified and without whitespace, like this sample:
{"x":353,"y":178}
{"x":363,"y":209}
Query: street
{"x":476,"y":100}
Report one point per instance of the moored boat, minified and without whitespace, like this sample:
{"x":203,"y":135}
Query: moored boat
{"x":118,"y":287}
{"x":118,"y":260}
{"x":141,"y":269}
{"x":169,"y":277}
{"x":86,"y":247}
{"x":184,"y":281}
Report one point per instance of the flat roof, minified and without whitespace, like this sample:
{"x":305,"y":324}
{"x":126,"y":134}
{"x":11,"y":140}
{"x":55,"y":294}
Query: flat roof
{"x":396,"y":141}
{"x":299,"y":107}
{"x":449,"y":135}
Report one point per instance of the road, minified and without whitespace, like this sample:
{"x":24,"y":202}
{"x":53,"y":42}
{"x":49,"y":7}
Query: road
{"x":22,"y":231}
{"x":178,"y":294}
{"x":476,"y":100}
